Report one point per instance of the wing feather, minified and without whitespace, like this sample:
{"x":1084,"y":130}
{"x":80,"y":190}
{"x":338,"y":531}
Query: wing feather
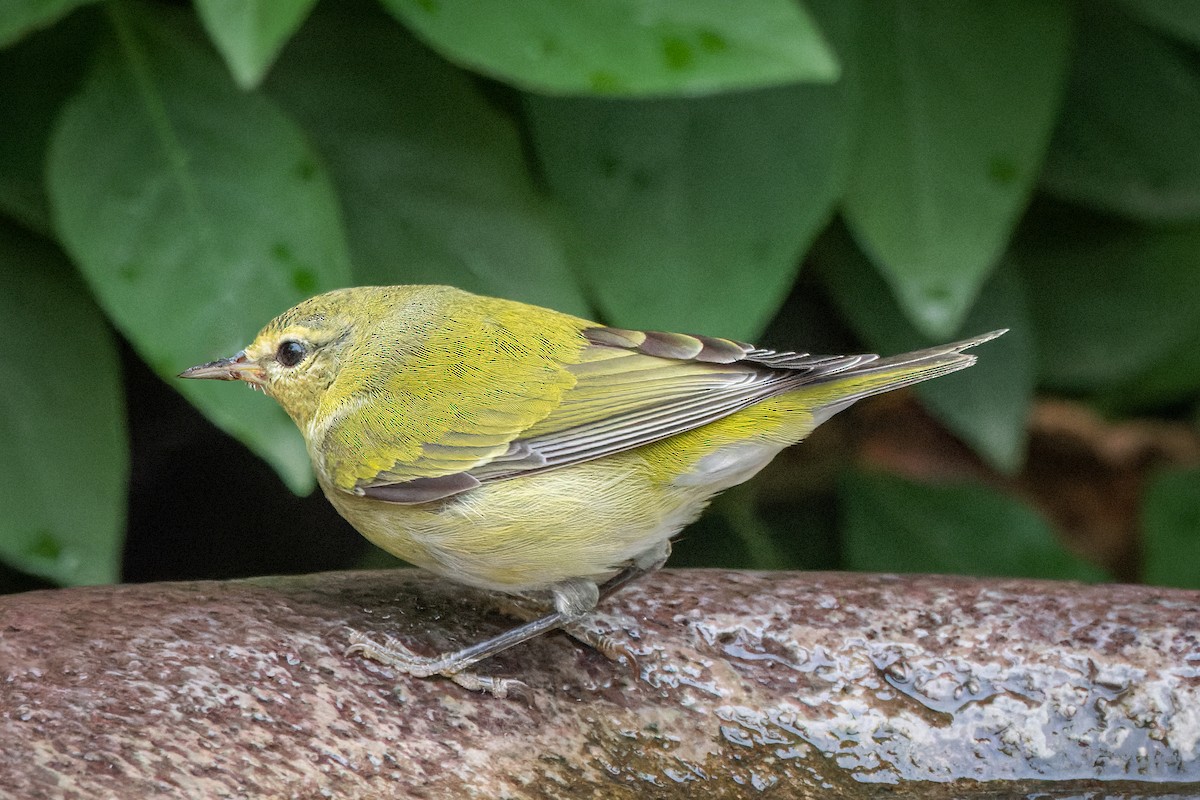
{"x":615,"y":390}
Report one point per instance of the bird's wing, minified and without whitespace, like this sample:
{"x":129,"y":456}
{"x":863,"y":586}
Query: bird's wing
{"x":637,"y":387}
{"x":523,"y":410}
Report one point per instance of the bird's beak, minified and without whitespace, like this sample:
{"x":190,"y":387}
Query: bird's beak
{"x":235,"y":368}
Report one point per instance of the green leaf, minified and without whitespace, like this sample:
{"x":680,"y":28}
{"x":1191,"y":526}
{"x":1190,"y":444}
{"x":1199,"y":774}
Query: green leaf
{"x":987,"y":405}
{"x":959,"y":101}
{"x":1108,"y":300}
{"x":1171,"y":529}
{"x":1178,"y":18}
{"x":1127,"y":140}
{"x":692,"y":215}
{"x":1174,"y":377}
{"x":738,"y":532}
{"x":36,"y":77}
{"x":62,"y":421}
{"x":21,"y":17}
{"x":894,"y":525}
{"x":196,"y":212}
{"x":737,"y":507}
{"x":626,"y":47}
{"x":432,"y":175}
{"x":250,"y":33}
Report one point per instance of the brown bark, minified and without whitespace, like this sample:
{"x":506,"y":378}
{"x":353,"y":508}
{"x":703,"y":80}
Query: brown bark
{"x":747,"y":685}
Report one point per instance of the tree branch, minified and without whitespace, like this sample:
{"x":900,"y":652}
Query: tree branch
{"x":747,"y":684}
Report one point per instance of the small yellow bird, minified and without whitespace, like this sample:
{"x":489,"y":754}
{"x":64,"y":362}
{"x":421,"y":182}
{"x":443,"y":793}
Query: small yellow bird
{"x":522,"y":450}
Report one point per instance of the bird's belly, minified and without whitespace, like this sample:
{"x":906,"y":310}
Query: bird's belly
{"x":585,"y":520}
{"x":528,"y":533}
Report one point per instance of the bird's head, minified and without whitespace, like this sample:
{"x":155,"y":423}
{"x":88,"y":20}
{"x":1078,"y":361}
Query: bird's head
{"x":297,"y":356}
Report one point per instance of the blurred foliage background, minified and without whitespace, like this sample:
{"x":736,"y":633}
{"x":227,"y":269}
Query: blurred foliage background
{"x":828,"y":175}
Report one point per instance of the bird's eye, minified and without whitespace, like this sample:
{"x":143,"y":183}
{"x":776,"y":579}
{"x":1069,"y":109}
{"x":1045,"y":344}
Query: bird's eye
{"x":290,"y":353}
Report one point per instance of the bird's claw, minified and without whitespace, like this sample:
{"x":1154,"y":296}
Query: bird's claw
{"x":604,"y":644}
{"x":500,"y":688}
{"x":393,"y":653}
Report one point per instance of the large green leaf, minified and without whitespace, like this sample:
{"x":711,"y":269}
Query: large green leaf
{"x":250,"y":33}
{"x":197,"y":212}
{"x":62,"y":421}
{"x":895,"y":525}
{"x":36,"y":77}
{"x":432,"y":175}
{"x":692,"y":215}
{"x":1178,"y":18}
{"x":959,"y":100}
{"x":21,"y":17}
{"x":1171,"y":378}
{"x":987,"y":405}
{"x":1109,"y":300}
{"x":740,"y":532}
{"x":626,"y":47}
{"x":1128,"y":140}
{"x":1171,"y":529}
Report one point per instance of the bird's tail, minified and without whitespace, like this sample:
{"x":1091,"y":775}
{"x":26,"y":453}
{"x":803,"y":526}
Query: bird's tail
{"x":837,"y":391}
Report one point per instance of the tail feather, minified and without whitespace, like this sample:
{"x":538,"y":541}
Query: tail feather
{"x":954,"y":350}
{"x":842,"y":389}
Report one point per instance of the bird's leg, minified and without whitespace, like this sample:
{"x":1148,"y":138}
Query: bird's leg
{"x":528,"y":606}
{"x":522,"y":608}
{"x":527,"y":609}
{"x":573,"y":599}
{"x":643,"y":564}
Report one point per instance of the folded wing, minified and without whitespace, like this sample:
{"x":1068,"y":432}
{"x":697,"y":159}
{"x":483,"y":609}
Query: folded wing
{"x":630,"y":388}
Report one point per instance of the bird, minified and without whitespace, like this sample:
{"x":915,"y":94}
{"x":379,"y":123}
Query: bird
{"x":530,"y":452}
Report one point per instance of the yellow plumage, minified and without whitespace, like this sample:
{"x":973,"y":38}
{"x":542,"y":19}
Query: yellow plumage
{"x":516,"y":448}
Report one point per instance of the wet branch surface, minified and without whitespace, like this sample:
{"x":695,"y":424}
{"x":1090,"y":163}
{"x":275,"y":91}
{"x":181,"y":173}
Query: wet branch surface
{"x":746,"y":685}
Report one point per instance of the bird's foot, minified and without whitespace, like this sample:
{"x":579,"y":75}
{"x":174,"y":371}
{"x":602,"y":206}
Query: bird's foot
{"x":396,"y":655}
{"x":606,"y":645}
